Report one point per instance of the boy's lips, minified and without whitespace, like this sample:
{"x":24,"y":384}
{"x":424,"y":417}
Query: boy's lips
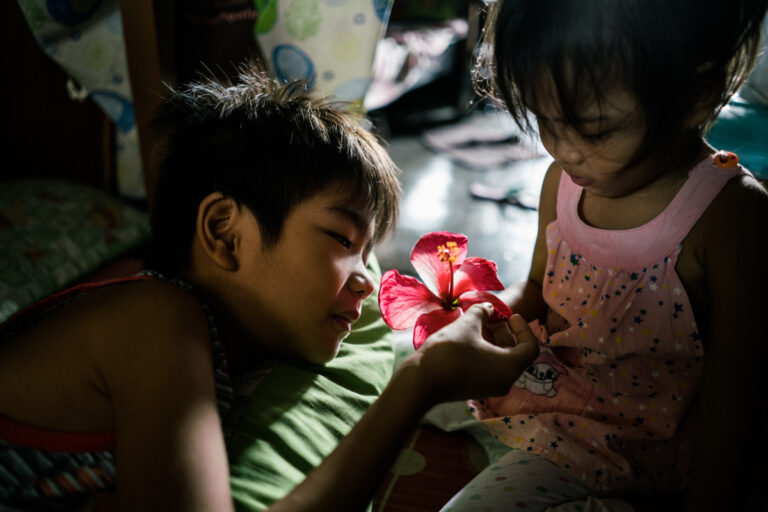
{"x":346,"y":318}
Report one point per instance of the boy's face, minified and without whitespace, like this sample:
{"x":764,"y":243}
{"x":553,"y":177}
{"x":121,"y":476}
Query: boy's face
{"x":306,"y":291}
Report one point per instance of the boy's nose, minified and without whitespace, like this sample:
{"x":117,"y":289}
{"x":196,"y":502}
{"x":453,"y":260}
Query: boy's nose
{"x":361,"y":283}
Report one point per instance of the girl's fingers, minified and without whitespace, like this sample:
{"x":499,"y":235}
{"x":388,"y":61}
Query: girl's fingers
{"x":527,"y":346}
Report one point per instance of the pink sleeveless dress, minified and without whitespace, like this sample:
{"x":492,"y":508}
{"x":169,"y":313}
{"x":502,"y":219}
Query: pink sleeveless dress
{"x":621,"y":359}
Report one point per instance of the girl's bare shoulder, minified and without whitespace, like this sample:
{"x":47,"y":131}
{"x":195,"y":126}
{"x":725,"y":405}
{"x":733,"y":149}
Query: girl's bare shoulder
{"x":63,"y":370}
{"x":738,"y":215}
{"x":146,"y":310}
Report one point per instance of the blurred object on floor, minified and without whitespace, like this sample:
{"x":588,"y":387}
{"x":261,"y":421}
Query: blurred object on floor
{"x":512,"y":196}
{"x":412,"y":56}
{"x":487,"y":138}
{"x":422,"y":66}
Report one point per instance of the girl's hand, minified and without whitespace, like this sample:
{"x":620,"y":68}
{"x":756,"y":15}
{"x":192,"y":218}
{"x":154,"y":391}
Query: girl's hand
{"x":471,"y":359}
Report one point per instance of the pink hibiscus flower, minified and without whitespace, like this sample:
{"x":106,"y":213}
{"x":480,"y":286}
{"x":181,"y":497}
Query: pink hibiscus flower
{"x":453,"y":283}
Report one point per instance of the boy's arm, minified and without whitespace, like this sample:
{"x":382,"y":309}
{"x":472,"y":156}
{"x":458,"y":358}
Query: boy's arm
{"x":730,"y":399}
{"x":170,"y":451}
{"x":525,"y":298}
{"x":454,"y":363}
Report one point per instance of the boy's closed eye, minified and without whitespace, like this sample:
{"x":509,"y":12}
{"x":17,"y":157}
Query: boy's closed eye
{"x":344,"y":241}
{"x":352,"y":229}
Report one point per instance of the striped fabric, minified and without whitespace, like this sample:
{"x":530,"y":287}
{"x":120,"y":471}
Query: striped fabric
{"x":35,"y":478}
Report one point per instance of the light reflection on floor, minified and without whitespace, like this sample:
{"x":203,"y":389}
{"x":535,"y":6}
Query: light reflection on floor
{"x":436,"y":198}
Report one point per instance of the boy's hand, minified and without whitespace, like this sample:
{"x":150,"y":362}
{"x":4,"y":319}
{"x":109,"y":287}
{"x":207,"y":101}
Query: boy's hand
{"x":459,"y":362}
{"x":454,"y":363}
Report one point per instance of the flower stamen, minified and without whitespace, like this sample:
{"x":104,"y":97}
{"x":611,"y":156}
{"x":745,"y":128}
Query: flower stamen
{"x":448,"y":253}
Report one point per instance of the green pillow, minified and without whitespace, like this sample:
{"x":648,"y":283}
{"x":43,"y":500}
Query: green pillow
{"x":298,"y":413}
{"x":52,"y":233}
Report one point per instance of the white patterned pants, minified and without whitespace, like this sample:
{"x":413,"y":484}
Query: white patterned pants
{"x":525,"y":482}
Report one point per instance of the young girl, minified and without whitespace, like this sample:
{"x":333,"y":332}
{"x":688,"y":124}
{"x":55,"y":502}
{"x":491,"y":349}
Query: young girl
{"x":645,"y":288}
{"x":267,"y":208}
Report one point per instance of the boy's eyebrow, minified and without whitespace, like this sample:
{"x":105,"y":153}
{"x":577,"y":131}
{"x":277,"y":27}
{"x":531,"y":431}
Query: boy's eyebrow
{"x":353,"y":214}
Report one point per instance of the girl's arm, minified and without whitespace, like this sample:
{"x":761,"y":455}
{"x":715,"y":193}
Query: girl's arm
{"x":170,"y":451}
{"x":525,"y":298}
{"x":730,"y":398}
{"x":454,"y":363}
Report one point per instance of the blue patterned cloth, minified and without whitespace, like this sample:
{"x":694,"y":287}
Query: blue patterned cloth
{"x":85,"y":38}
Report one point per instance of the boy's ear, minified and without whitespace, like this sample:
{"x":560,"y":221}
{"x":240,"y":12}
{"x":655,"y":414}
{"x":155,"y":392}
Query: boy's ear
{"x":217,"y":229}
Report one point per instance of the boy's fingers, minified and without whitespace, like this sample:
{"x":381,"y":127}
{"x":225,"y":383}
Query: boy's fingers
{"x":482,"y":311}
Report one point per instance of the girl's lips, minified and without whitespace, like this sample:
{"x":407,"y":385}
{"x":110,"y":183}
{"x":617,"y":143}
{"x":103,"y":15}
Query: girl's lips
{"x":582,"y":182}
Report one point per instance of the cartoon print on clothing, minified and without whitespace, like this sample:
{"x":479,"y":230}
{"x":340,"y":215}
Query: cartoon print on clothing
{"x":541,"y":376}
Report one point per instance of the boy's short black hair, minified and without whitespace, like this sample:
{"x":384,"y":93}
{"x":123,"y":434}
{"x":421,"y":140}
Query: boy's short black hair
{"x":672,"y":55}
{"x":269,"y":147}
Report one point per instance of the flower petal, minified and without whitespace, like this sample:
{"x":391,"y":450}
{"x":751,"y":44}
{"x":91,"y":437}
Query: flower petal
{"x":427,"y":263}
{"x":431,"y":323}
{"x":403,"y":298}
{"x":500,"y":310}
{"x":476,"y":274}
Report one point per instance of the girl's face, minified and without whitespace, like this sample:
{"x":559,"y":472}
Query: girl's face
{"x":305,"y":292}
{"x":596,"y":152}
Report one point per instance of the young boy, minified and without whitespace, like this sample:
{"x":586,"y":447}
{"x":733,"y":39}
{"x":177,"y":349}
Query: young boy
{"x":266,"y":210}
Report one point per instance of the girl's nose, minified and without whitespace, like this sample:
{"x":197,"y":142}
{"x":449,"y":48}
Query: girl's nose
{"x":361,"y":283}
{"x":566,"y":152}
